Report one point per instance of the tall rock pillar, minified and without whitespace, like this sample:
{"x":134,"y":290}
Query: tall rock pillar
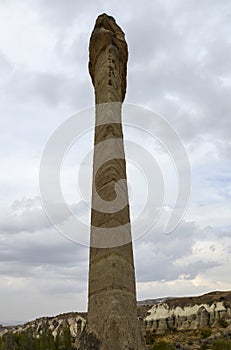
{"x":112,"y":310}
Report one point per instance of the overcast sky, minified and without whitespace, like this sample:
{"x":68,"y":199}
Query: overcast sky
{"x":179,"y":67}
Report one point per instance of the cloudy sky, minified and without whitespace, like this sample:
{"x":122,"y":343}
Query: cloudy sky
{"x":179,"y":67}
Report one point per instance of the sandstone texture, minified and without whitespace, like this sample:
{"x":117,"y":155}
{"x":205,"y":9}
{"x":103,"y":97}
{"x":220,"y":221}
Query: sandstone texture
{"x":108,"y":55}
{"x":112,"y":309}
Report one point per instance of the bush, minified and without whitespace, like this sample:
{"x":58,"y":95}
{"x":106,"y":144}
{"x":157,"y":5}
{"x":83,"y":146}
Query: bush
{"x":163,"y":345}
{"x":204,"y":346}
{"x":223,"y":323}
{"x":205,"y":333}
{"x":221,"y":344}
{"x":150,"y":338}
{"x":28,"y":341}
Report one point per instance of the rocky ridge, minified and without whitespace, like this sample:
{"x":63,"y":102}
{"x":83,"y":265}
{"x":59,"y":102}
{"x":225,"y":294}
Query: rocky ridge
{"x":76,"y":322}
{"x":188,"y":313}
{"x":164,"y":318}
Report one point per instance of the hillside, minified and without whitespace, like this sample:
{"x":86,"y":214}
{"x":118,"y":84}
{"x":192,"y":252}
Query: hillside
{"x":188,"y":322}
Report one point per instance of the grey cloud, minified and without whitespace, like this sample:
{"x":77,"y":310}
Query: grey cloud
{"x":30,"y":246}
{"x":47,"y":88}
{"x":62,"y":15}
{"x":26,"y":86}
{"x":186,"y":55}
{"x":181,"y":52}
{"x":63,"y":287}
{"x":23,"y":216}
{"x":28,"y":216}
{"x":178,"y":66}
{"x":45,"y":248}
{"x":156,"y":254}
{"x":6,"y":68}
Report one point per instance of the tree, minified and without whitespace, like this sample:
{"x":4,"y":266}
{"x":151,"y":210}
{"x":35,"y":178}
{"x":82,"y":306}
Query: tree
{"x":67,"y":339}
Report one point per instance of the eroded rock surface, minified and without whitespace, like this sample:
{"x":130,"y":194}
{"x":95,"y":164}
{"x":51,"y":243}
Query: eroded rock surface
{"x":108,"y":55}
{"x":173,"y":314}
{"x":112,"y":309}
{"x":188,"y":313}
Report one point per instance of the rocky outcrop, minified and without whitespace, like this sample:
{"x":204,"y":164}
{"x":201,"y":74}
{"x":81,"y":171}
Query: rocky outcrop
{"x":159,"y":317}
{"x":162,"y":317}
{"x":75,"y":321}
{"x":188,"y":313}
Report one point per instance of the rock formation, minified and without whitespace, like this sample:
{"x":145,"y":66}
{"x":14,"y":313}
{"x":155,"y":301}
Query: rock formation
{"x":112,"y":310}
{"x":188,"y":313}
{"x":161,"y":318}
{"x":75,"y":321}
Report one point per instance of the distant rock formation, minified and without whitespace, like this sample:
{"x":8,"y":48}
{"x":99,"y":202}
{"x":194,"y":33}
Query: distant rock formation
{"x":75,"y":321}
{"x":157,"y":316}
{"x":164,"y":317}
{"x":189,"y":312}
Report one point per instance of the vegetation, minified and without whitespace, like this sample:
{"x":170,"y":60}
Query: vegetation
{"x":150,"y":338}
{"x":206,"y":332}
{"x":223,"y":323}
{"x":162,"y":345}
{"x":221,"y":344}
{"x":46,"y":341}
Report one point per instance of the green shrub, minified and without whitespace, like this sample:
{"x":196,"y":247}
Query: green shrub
{"x":204,"y":346}
{"x":163,"y":345}
{"x":150,"y":338}
{"x":205,"y":332}
{"x":223,"y":323}
{"x":28,"y":341}
{"x":221,"y":345}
